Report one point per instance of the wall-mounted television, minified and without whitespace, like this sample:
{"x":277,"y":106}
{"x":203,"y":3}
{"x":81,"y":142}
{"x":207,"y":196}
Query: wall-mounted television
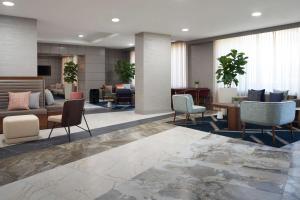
{"x":44,"y":70}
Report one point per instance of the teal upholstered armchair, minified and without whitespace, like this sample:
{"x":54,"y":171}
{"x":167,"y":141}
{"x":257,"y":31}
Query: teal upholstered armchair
{"x":184,"y":103}
{"x":268,"y":114}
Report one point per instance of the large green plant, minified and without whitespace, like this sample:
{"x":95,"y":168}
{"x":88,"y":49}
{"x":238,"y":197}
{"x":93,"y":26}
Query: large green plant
{"x":125,"y":70}
{"x":231,"y":65}
{"x":70,"y":72}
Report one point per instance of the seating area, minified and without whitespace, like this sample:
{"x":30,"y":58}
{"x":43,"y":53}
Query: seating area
{"x":149,"y":100}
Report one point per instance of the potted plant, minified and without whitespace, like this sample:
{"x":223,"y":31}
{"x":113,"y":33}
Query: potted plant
{"x":125,"y":70}
{"x":70,"y":76}
{"x":231,"y":66}
{"x":196,"y":84}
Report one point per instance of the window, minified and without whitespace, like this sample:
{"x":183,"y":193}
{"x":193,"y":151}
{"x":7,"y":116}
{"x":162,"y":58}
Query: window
{"x":274,"y":60}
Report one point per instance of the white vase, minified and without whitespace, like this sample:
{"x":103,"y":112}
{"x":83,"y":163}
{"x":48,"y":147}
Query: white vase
{"x":68,"y":89}
{"x":225,"y":94}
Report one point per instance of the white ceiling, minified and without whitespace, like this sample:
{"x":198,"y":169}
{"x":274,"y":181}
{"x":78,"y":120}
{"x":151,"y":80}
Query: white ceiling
{"x":62,"y":20}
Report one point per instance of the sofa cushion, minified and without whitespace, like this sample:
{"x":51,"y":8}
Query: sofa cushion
{"x":256,"y":95}
{"x":34,"y":100}
{"x":18,"y":100}
{"x":57,"y":107}
{"x":5,"y":112}
{"x":276,"y":97}
{"x":285,"y":93}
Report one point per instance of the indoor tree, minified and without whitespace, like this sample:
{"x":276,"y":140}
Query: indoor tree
{"x":231,"y":65}
{"x":70,"y":77}
{"x":125,"y":70}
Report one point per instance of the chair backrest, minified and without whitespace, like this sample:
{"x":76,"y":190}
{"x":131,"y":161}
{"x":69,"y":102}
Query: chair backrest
{"x":268,"y":113}
{"x":72,"y":112}
{"x":76,"y":95}
{"x":183,"y":103}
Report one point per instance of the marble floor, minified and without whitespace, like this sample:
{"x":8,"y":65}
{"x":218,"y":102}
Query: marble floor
{"x":154,"y":161}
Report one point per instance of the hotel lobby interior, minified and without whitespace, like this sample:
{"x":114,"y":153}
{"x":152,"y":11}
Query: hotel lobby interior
{"x":149,"y":100}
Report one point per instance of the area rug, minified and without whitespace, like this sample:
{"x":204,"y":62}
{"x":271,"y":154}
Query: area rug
{"x":253,"y":132}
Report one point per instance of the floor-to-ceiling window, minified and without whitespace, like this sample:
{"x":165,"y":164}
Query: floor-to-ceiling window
{"x":178,"y":65}
{"x":274,"y":59}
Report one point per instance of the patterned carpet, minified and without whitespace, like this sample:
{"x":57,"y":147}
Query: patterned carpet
{"x":253,"y":132}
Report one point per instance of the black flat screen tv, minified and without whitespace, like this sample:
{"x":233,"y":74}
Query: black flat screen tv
{"x":44,"y":70}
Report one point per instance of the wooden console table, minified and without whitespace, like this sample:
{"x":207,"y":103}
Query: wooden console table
{"x":197,"y":93}
{"x":233,"y":115}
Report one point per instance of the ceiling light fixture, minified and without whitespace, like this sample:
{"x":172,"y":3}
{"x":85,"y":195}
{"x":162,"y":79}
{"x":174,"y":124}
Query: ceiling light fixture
{"x":80,"y":36}
{"x":185,"y":30}
{"x":115,"y":20}
{"x":131,"y":44}
{"x":8,"y":3}
{"x":256,"y":14}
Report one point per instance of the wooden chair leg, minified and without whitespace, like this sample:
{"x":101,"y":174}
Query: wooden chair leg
{"x":273,"y":134}
{"x":244,"y":129}
{"x":174,"y":117}
{"x":291,"y":130}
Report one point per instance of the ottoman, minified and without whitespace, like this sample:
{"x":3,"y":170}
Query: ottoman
{"x":21,"y":128}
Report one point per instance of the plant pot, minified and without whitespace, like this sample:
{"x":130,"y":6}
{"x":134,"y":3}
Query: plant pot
{"x":196,"y":85}
{"x":225,"y":95}
{"x":68,"y":89}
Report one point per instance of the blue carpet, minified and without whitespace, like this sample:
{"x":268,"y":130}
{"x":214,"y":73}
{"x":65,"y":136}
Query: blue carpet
{"x":253,"y":132}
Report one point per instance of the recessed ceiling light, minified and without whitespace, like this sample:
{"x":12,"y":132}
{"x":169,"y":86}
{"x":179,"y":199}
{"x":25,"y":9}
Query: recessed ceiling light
{"x":185,"y":30}
{"x":80,"y":36}
{"x":8,"y":3}
{"x":131,"y":44}
{"x":115,"y":19}
{"x":256,"y":14}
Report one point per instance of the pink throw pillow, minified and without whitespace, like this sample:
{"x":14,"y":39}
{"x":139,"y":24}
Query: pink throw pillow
{"x":18,"y":100}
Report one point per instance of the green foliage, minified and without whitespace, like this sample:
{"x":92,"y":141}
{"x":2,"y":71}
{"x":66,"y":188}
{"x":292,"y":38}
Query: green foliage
{"x":231,"y":65}
{"x":125,"y":70}
{"x":70,"y":72}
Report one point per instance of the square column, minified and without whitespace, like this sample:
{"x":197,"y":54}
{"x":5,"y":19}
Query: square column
{"x":153,"y":73}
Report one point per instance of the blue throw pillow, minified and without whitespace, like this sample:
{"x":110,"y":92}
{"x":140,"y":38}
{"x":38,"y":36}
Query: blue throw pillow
{"x":256,"y":95}
{"x":276,"y":97}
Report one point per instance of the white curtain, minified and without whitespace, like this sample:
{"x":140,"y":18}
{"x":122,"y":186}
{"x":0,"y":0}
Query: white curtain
{"x":178,"y":65}
{"x":274,"y":60}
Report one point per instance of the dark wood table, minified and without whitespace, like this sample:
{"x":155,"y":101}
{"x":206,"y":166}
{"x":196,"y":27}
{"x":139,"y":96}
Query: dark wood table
{"x":200,"y":95}
{"x":233,"y":115}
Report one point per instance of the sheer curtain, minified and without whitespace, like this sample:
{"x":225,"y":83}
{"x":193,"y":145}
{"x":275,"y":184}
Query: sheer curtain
{"x":178,"y":65}
{"x":274,"y":60}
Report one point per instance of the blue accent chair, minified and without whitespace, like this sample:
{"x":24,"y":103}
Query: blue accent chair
{"x":268,"y":114}
{"x":184,"y":103}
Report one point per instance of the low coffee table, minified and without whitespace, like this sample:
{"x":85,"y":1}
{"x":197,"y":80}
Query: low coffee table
{"x":233,"y":115}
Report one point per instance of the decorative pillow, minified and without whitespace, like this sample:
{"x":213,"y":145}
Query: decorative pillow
{"x":276,"y":97}
{"x":49,"y":97}
{"x":256,"y":95}
{"x":34,"y":100}
{"x":285,"y":93}
{"x":18,"y":101}
{"x":120,"y":86}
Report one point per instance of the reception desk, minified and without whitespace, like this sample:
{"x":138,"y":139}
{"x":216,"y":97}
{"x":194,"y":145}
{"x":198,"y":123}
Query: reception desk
{"x":201,"y":96}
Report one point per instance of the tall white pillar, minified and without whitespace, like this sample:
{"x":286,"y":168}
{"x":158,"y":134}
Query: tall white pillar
{"x":153,"y":73}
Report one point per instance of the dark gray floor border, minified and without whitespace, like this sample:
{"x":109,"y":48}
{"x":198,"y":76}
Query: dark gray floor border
{"x":17,"y":149}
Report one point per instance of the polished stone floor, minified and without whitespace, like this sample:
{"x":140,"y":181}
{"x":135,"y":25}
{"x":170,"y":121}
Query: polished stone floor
{"x":154,"y":160}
